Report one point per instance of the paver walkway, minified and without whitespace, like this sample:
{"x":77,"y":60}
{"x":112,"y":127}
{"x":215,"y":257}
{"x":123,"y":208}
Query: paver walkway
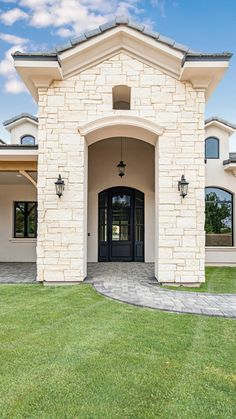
{"x":17,"y":272}
{"x":134,"y":283}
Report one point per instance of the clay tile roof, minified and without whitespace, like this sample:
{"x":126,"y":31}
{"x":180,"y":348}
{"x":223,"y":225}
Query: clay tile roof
{"x":189,"y":55}
{"x":18,"y":117}
{"x":221,"y":120}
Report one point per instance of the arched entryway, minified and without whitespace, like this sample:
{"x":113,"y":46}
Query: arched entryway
{"x":121,"y":225}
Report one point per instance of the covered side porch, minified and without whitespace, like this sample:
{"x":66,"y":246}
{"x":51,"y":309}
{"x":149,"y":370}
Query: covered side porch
{"x":18,"y":205}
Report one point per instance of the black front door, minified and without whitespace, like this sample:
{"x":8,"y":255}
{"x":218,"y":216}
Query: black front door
{"x":121,"y":225}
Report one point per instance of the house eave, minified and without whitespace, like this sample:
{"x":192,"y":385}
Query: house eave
{"x":37,"y":73}
{"x":204,"y":74}
{"x":204,"y":71}
{"x":12,"y":152}
{"x":220,"y":123}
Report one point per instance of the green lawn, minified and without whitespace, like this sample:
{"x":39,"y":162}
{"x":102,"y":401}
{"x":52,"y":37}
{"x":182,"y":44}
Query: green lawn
{"x":218,"y":280}
{"x":67,"y":352}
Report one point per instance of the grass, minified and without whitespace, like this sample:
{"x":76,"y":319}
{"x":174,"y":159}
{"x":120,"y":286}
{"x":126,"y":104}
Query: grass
{"x":219,"y":280}
{"x":67,"y":352}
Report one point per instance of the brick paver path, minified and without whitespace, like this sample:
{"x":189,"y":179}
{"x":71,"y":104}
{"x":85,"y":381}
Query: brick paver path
{"x":16,"y":273}
{"x":134,"y":283}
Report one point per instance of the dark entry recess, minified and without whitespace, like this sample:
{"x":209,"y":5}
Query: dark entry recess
{"x":121,"y":225}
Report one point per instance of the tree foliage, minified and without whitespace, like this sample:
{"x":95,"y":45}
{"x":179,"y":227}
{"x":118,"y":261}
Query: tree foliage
{"x":217,"y":214}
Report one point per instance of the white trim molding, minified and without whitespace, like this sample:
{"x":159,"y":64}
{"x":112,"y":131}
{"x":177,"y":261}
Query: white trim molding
{"x":121,"y":125}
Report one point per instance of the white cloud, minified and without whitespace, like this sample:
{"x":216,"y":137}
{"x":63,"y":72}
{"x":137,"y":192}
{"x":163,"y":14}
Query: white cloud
{"x":15,"y":86}
{"x":70,"y":17}
{"x":66,"y":18}
{"x":12,"y":39}
{"x":160,"y":4}
{"x":11,"y":16}
{"x":64,"y":32}
{"x":12,"y":82}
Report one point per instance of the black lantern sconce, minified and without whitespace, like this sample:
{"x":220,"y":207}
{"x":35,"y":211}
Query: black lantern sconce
{"x":183,"y":186}
{"x":60,"y":186}
{"x":121,"y":166}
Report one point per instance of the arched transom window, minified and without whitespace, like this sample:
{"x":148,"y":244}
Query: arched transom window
{"x":212,"y":148}
{"x":219,"y":217}
{"x":27,"y":140}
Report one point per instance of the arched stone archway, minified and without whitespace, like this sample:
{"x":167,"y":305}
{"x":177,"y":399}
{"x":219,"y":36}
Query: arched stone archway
{"x":121,"y":125}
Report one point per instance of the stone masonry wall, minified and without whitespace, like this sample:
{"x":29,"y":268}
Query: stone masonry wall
{"x":179,"y":108}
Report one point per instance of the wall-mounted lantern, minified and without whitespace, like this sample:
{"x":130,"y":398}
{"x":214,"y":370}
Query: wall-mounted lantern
{"x":183,"y":186}
{"x":60,"y":186}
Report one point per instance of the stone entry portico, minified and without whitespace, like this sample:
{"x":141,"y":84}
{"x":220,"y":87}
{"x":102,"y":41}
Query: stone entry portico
{"x":169,"y":85}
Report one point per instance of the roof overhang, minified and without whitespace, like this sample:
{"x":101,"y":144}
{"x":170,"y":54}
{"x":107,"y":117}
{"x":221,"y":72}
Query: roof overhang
{"x":230,"y":167}
{"x":203,"y":71}
{"x":224,"y":126}
{"x":19,"y":122}
{"x":37,"y":73}
{"x":18,"y":153}
{"x":117,"y":40}
{"x":204,"y":74}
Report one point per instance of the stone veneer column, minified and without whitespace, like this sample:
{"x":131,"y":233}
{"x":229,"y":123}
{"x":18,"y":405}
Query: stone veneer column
{"x":62,"y":222}
{"x":180,"y":235}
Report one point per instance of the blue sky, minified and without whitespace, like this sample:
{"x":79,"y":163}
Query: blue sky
{"x":204,"y":25}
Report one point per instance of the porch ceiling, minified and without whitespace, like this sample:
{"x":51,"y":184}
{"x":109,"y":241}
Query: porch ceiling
{"x":14,"y":178}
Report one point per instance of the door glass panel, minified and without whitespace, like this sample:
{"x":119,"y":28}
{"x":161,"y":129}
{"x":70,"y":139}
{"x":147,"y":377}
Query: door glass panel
{"x":121,"y":215}
{"x":102,"y":230}
{"x":121,"y":201}
{"x":139,"y":217}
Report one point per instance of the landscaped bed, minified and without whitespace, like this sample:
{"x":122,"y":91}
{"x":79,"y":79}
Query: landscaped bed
{"x":67,"y":352}
{"x":219,"y":280}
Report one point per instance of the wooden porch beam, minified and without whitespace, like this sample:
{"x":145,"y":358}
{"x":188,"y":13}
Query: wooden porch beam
{"x":27,"y":176}
{"x":17,"y":166}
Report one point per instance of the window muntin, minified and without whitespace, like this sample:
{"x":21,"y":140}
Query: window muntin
{"x":28,"y":140}
{"x":212,"y":148}
{"x":25,"y":219}
{"x":218,"y":217}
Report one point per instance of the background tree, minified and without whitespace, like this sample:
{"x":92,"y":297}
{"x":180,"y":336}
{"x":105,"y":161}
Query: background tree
{"x":217,"y":214}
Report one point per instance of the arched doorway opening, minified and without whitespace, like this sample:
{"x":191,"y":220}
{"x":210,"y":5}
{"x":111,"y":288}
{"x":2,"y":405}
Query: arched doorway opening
{"x":121,"y":225}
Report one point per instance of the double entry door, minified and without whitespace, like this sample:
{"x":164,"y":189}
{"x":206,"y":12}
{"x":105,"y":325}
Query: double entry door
{"x":121,"y":225}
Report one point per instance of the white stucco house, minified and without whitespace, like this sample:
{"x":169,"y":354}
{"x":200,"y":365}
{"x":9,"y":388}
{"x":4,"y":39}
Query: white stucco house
{"x":121,"y":120}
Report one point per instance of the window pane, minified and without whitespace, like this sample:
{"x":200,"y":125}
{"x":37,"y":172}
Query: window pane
{"x":139,"y":216}
{"x":103,"y":232}
{"x":212,"y":148}
{"x":115,"y":232}
{"x":25,"y":219}
{"x":31,"y":220}
{"x":28,"y":140}
{"x":121,"y":201}
{"x":19,"y":222}
{"x":120,"y":232}
{"x":218,"y":221}
{"x":139,"y":233}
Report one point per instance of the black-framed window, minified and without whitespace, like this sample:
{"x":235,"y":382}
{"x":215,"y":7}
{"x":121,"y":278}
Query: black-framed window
{"x":25,"y":219}
{"x":212,"y":148}
{"x":218,"y":217}
{"x":28,"y":140}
